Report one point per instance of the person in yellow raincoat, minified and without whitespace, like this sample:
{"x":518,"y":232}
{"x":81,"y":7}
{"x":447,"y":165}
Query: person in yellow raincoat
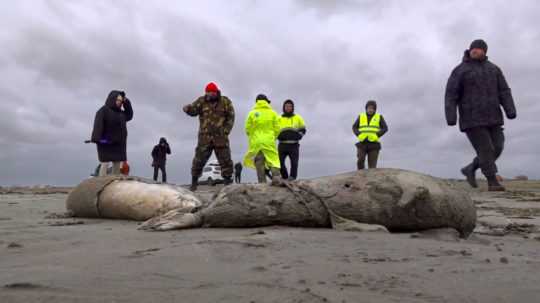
{"x":262,"y":129}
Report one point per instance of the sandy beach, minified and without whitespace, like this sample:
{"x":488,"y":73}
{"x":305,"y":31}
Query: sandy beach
{"x":47,"y":258}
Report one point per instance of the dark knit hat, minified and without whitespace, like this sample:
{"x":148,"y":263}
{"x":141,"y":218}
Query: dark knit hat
{"x":479,"y":43}
{"x":262,"y":97}
{"x":371,"y":103}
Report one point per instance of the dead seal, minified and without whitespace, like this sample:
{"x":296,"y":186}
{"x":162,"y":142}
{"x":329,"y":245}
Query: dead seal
{"x":132,"y":198}
{"x":395,"y":199}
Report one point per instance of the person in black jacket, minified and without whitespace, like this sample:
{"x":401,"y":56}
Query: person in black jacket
{"x":369,"y":127}
{"x":238,"y":172}
{"x":292,"y":130}
{"x":110,"y":131}
{"x":478,"y":89}
{"x":159,"y":159}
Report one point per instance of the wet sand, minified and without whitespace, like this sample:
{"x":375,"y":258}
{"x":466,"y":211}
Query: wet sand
{"x":47,"y":258}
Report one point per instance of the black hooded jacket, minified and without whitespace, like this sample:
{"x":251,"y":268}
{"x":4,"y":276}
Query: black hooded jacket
{"x":110,"y":125}
{"x":160,"y":152}
{"x":477,"y":89}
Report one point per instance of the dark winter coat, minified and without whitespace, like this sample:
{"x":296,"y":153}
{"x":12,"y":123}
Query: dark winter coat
{"x":160,"y":152}
{"x":110,"y":125}
{"x":478,"y":89}
{"x":238,"y":169}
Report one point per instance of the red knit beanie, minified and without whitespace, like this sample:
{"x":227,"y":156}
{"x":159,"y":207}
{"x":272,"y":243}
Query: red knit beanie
{"x":211,"y":88}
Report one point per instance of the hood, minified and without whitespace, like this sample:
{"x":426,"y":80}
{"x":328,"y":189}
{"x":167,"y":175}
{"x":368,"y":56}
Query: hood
{"x":372,"y":103}
{"x":467,"y":57}
{"x":288,"y":114}
{"x":111,"y":99}
{"x":262,"y":104}
{"x":162,"y":140}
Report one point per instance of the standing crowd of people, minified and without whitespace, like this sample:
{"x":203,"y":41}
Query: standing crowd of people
{"x":476,"y":90}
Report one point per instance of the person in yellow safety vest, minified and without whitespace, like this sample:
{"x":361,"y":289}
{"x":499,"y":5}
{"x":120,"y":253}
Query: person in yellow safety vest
{"x":292,"y":130}
{"x":262,"y":129}
{"x":369,"y":127}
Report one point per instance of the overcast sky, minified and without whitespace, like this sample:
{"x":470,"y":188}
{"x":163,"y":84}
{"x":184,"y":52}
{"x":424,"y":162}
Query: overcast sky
{"x":60,"y":59}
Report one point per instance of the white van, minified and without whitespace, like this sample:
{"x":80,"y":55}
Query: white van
{"x":211,"y":174}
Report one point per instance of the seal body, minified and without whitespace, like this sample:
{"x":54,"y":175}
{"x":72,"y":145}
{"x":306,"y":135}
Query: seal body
{"x":397,"y":199}
{"x":132,"y":198}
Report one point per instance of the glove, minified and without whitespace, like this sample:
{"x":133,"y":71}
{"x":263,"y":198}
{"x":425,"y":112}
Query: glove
{"x":511,"y":116}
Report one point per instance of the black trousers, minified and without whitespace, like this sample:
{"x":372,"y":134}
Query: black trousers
{"x":371,"y":150}
{"x":293,"y":152}
{"x":238,"y":178}
{"x":488,"y":143}
{"x":163,"y":173}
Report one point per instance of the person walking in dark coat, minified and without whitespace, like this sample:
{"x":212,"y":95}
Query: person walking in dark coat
{"x":110,"y":131}
{"x":292,"y":130}
{"x":369,"y":127}
{"x":238,"y":172}
{"x":159,"y":159}
{"x":477,"y":89}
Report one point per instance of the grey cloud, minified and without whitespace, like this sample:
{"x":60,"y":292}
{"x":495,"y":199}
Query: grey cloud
{"x":62,"y":58}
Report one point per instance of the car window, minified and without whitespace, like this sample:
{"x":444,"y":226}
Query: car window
{"x":207,"y":169}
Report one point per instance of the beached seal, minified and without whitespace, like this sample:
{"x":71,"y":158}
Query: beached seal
{"x":121,"y":197}
{"x":397,"y":199}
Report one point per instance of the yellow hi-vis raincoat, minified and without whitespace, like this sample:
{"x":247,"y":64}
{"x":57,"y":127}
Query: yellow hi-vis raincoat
{"x":262,"y":129}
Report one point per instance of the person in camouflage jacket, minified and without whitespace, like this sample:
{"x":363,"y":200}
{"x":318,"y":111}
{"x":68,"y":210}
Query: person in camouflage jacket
{"x":216,"y":120}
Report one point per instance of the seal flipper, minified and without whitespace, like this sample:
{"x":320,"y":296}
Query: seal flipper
{"x":174,"y":219}
{"x":411,"y":195}
{"x":343,"y":224}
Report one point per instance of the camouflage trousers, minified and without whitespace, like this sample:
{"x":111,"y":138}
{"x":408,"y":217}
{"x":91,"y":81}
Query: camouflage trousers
{"x":203,"y":153}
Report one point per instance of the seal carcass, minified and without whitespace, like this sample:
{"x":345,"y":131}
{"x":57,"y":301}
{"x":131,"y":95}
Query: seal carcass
{"x":121,"y":197}
{"x":397,"y":199}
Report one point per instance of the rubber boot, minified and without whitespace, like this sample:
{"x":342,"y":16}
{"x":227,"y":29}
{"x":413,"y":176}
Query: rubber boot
{"x":227,"y":181}
{"x":469,"y":172}
{"x":194,"y":183}
{"x":276,"y":177}
{"x":494,"y":185}
{"x":260,"y":167}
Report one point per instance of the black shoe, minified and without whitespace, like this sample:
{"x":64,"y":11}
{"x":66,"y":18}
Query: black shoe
{"x":494,"y":185}
{"x":194,"y":183}
{"x":469,"y":173}
{"x":227,"y":181}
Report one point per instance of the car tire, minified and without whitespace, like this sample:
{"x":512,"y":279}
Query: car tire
{"x":210,"y":182}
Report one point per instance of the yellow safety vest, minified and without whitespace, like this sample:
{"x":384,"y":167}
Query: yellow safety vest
{"x":369,"y":131}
